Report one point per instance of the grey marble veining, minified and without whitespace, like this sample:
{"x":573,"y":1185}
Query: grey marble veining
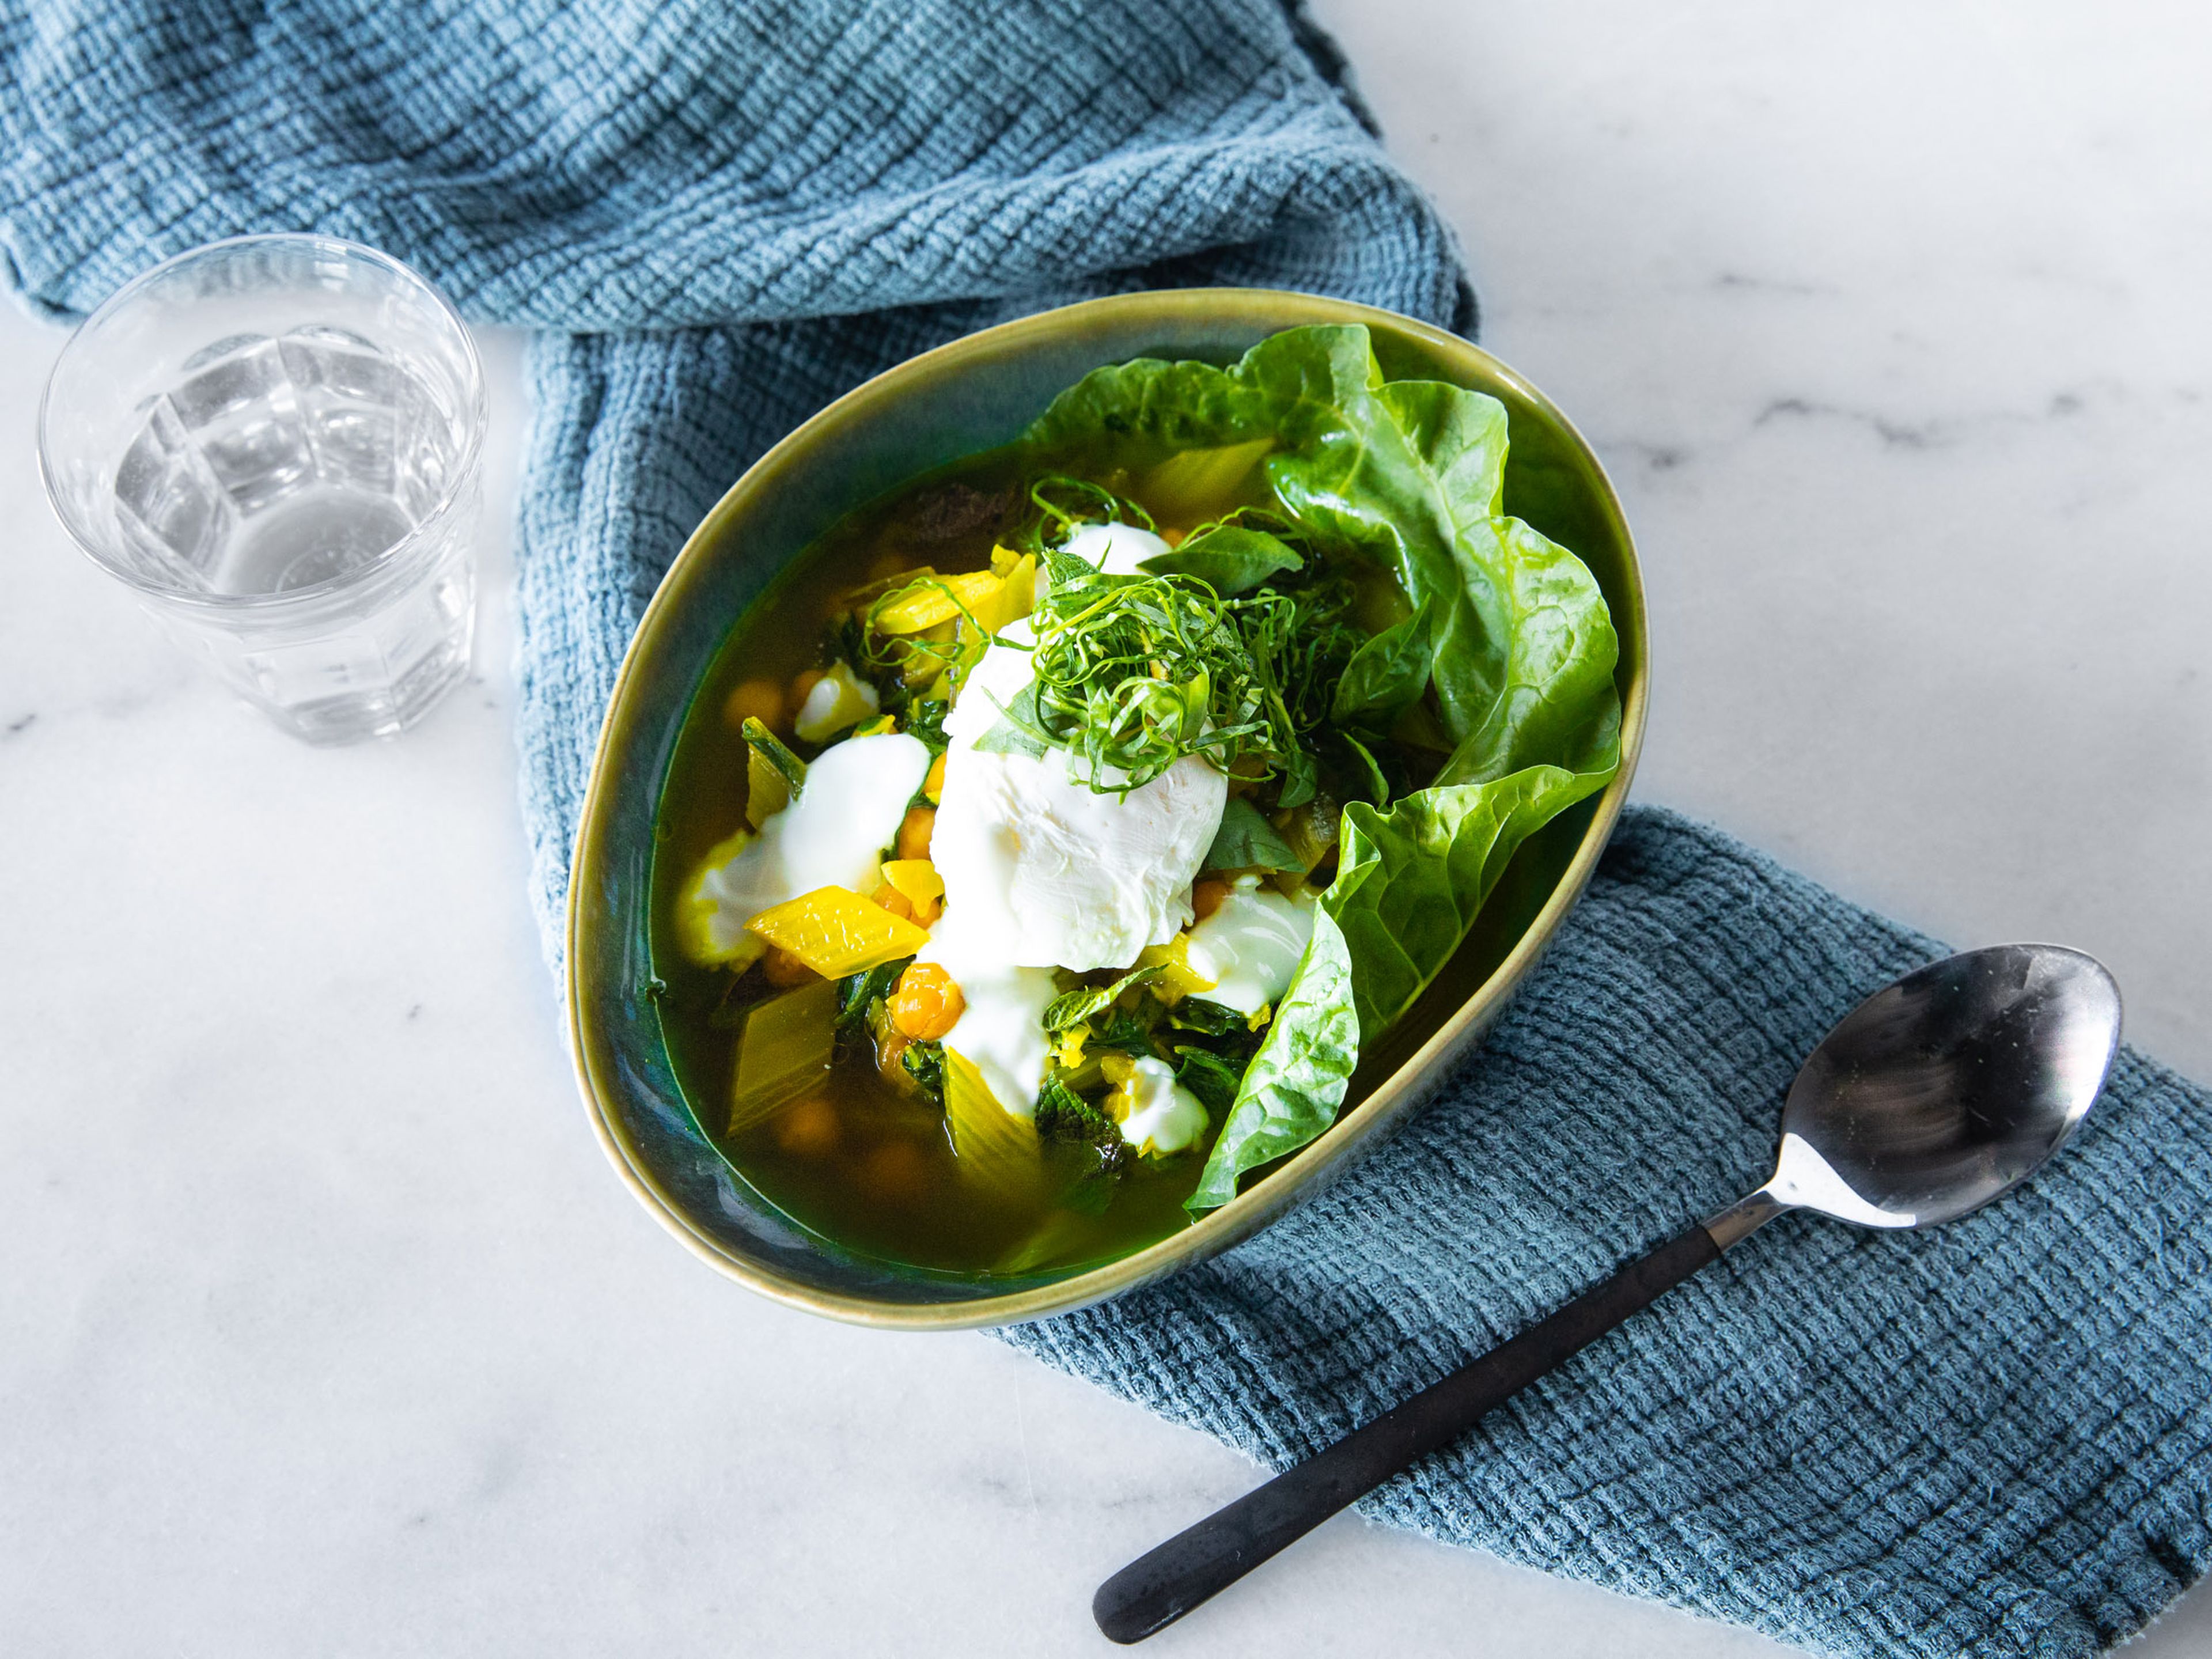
{"x":324,"y":1327}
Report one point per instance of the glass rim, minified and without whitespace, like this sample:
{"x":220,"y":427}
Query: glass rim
{"x":474,"y":416}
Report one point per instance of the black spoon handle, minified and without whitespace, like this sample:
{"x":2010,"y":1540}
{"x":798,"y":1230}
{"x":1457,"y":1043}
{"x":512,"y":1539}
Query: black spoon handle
{"x":1158,"y":1588}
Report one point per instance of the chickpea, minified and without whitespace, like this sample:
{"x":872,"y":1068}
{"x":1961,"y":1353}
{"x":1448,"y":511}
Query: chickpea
{"x":760,"y":700}
{"x":1206,"y":895}
{"x":926,"y":1004}
{"x":933,"y":785}
{"x":784,"y":968}
{"x":919,"y":823}
{"x":808,"y":1129}
{"x":893,"y":901}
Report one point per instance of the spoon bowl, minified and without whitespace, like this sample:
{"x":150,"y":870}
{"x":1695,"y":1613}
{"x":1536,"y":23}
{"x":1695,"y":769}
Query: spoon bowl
{"x":1942,"y":1091}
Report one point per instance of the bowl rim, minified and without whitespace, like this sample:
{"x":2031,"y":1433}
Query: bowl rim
{"x":1274,"y":310}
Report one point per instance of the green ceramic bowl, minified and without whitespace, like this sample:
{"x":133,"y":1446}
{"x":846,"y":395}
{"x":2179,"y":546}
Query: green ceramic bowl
{"x":975,"y":394}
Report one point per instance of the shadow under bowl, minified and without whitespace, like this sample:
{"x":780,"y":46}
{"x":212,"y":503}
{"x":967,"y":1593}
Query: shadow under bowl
{"x":979,"y":394}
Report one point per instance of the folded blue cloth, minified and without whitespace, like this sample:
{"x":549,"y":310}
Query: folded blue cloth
{"x":1992,"y":1440}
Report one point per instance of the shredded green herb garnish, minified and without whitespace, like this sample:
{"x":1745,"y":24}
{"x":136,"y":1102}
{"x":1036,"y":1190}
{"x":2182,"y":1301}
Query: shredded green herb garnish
{"x":1133,"y":673}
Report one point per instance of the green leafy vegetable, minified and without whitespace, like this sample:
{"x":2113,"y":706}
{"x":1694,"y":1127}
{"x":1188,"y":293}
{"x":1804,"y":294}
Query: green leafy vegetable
{"x":1510,"y":630}
{"x":1228,"y":558}
{"x":1019,"y":729}
{"x":856,"y":991}
{"x":1388,"y":673}
{"x":1378,"y":786}
{"x":1197,"y":1014}
{"x":1130,"y":1033}
{"x":1411,"y":879}
{"x":1067,"y":1121}
{"x":1246,"y":840}
{"x":1082,"y":1003}
{"x":1407,"y":887}
{"x":1211,"y":1078}
{"x":925,"y":1064}
{"x":1409,"y":474}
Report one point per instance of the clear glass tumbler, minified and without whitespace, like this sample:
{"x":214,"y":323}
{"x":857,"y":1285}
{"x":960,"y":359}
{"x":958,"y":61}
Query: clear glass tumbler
{"x":276,"y":441}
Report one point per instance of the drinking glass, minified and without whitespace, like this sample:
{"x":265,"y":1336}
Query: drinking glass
{"x":276,"y":442}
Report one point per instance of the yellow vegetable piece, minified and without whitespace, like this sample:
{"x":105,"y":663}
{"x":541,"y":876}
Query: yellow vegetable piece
{"x":933,"y":785}
{"x":1177,"y":979}
{"x":938,"y":600}
{"x":836,"y":932}
{"x":1200,"y":483}
{"x":837,"y":700}
{"x":1003,"y":559}
{"x":785,"y":1048}
{"x":1070,"y":1053}
{"x":997,"y":1150}
{"x":1014,"y":598}
{"x":916,"y":880}
{"x":1119,"y":1069}
{"x":876,"y":727}
{"x":702,"y":925}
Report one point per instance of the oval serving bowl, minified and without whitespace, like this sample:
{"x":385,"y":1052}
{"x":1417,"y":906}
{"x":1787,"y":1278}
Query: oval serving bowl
{"x":974,"y":394}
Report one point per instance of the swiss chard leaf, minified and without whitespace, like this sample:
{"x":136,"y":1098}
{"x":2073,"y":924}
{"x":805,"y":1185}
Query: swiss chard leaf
{"x":1228,"y":558}
{"x":1246,"y":840}
{"x":1410,"y":880}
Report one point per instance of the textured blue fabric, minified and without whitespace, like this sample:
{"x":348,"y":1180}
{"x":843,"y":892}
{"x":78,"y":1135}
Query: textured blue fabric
{"x":1991,"y":1440}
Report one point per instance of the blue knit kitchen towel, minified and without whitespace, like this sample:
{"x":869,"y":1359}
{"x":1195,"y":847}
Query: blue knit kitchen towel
{"x":1991,"y":1440}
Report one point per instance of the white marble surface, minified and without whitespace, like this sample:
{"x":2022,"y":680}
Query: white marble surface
{"x":324,"y":1329}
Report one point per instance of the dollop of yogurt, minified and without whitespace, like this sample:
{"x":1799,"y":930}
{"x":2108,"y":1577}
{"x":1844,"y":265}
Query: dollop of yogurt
{"x":1045,"y":869}
{"x":1160,"y":1114}
{"x":1251,"y":946}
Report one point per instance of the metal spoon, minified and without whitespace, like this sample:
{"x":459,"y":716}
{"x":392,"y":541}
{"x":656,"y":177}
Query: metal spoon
{"x":1930,"y":1098}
